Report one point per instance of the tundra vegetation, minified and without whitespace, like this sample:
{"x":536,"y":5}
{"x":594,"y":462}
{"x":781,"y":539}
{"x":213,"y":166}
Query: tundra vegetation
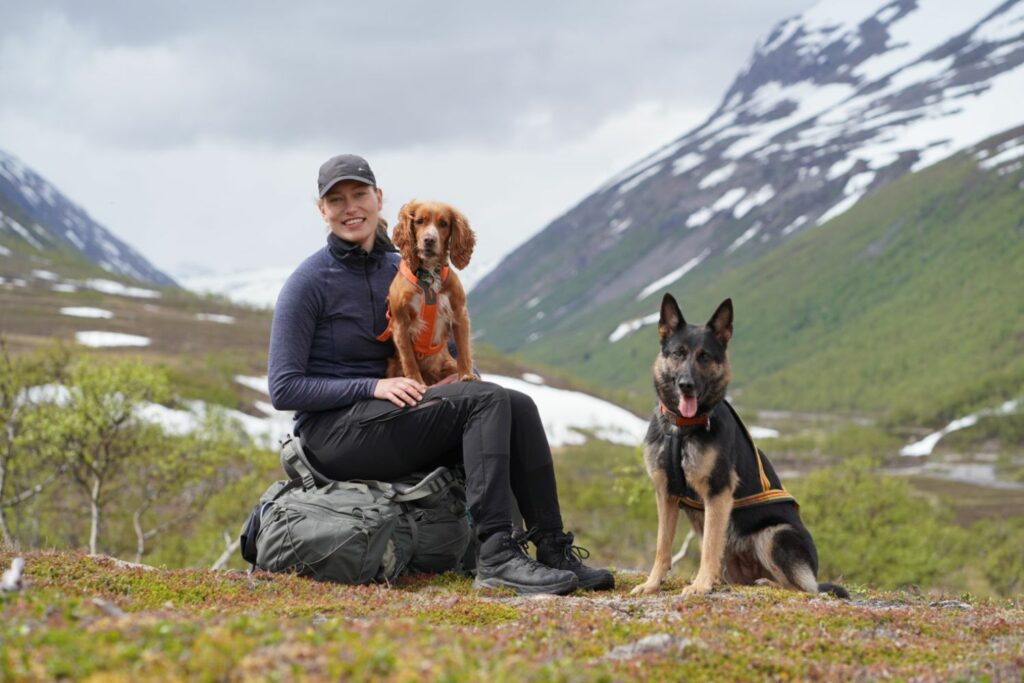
{"x":936,"y":585}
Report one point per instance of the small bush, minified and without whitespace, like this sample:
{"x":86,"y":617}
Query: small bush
{"x":871,"y":528}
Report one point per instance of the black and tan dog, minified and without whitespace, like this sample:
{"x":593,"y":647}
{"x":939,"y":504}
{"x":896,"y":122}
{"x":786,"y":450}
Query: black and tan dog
{"x":701,"y":458}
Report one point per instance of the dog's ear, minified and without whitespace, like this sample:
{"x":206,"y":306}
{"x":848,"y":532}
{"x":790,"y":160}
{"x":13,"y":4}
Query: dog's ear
{"x":721,"y":322}
{"x":404,"y":236}
{"x":671,"y":317}
{"x":461,"y":242}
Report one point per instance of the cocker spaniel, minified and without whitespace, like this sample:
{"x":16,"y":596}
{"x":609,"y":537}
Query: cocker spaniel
{"x":426,"y":301}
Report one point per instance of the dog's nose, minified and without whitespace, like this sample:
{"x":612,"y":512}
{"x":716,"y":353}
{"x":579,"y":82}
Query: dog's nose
{"x":429,"y":240}
{"x":687,"y":388}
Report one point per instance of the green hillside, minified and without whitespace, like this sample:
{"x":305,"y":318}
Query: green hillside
{"x":910,"y":305}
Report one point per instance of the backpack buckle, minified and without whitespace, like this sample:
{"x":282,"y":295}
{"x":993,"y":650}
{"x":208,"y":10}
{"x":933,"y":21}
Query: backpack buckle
{"x":295,"y":465}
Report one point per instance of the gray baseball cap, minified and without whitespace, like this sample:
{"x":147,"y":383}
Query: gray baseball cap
{"x":344,"y":167}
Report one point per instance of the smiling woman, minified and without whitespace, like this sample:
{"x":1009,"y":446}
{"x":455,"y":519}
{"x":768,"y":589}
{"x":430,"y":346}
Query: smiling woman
{"x":327,"y":363}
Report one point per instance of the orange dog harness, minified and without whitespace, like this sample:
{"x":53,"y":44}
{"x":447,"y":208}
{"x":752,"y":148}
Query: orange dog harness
{"x":423,"y":345}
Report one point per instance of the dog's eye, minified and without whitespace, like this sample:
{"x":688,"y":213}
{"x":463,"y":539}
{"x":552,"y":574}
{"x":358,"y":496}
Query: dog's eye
{"x":443,"y":223}
{"x":679,"y":353}
{"x":704,"y":357}
{"x":419,"y":221}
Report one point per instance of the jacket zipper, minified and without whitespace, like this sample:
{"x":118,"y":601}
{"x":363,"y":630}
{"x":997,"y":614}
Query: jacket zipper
{"x":373,"y":301}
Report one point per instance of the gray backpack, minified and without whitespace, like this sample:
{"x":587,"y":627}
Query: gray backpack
{"x":356,"y":531}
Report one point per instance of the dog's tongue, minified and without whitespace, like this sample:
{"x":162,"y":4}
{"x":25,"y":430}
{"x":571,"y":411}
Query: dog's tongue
{"x":687,"y":406}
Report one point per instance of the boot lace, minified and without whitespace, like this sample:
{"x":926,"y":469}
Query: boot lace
{"x":573,"y":554}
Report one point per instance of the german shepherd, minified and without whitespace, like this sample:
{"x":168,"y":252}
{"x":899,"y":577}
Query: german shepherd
{"x":701,"y":458}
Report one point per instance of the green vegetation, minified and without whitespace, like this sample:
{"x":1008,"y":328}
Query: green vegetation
{"x":90,"y":618}
{"x":875,"y":531}
{"x":837,"y":442}
{"x":80,"y":467}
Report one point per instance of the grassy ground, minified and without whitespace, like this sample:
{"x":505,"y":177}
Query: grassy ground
{"x":88,"y":618}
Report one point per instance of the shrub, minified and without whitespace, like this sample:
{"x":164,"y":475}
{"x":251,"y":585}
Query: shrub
{"x":872,"y":528}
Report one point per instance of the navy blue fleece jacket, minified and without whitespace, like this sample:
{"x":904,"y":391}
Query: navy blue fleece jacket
{"x":324,"y":352}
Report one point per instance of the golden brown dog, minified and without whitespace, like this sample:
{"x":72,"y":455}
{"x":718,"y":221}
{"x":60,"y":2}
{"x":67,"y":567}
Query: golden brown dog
{"x":426,"y":300}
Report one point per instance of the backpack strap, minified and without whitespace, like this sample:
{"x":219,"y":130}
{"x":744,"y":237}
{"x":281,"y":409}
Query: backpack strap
{"x":298,"y":469}
{"x":295,"y":465}
{"x":438,"y":480}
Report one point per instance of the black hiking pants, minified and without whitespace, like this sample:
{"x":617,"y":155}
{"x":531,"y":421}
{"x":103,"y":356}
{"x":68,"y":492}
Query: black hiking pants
{"x":495,"y":432}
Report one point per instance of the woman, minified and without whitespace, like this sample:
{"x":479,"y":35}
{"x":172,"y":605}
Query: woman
{"x":326,"y":364}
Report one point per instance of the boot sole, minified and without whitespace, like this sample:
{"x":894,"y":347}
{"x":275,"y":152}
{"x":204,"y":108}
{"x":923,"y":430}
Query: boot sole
{"x":605,"y":583}
{"x":563,"y":588}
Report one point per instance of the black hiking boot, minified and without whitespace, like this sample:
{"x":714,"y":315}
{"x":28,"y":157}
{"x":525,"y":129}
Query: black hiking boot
{"x":504,"y":564}
{"x":556,"y":550}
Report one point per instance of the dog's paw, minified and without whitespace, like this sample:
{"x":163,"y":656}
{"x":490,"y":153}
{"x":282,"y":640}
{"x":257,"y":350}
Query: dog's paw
{"x":469,"y":377}
{"x":697,"y":589}
{"x":646,"y":588}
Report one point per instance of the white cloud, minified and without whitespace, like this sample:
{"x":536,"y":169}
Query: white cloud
{"x":194,"y":132}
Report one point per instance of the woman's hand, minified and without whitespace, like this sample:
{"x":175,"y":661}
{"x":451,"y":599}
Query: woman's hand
{"x":399,"y":390}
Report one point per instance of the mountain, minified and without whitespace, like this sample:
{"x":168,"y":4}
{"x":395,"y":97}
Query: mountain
{"x":833,"y":107}
{"x":910,"y":304}
{"x":36,"y":218}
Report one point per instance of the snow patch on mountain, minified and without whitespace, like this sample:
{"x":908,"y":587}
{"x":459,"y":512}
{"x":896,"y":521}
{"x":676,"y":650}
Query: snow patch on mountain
{"x":22,"y":232}
{"x":1005,"y":153}
{"x":568,"y":416}
{"x":745,"y":237}
{"x":619,"y":225}
{"x":121,"y":289}
{"x":841,"y":167}
{"x":634,"y":182}
{"x":926,"y":445}
{"x":686,"y":162}
{"x":630,"y":326}
{"x":101,"y":339}
{"x":795,"y":225}
{"x":762,"y":196}
{"x":717,"y":176}
{"x":839,"y":208}
{"x":699,"y":218}
{"x":672,"y":277}
{"x":729,"y":199}
{"x":216,"y":318}
{"x":86,"y":312}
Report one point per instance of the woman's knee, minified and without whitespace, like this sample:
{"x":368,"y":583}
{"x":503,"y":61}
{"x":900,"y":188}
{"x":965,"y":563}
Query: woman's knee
{"x":522,"y":404}
{"x":479,"y":392}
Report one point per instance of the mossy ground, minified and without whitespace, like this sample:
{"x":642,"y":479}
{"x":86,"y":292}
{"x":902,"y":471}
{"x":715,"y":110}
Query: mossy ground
{"x":91,"y":618}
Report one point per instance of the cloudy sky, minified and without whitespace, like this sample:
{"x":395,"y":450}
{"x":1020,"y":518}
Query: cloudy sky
{"x":193,"y":130}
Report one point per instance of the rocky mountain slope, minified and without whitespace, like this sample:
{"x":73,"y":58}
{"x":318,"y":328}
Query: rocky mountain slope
{"x":833,"y":106}
{"x":38,"y":221}
{"x":908,"y":303}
